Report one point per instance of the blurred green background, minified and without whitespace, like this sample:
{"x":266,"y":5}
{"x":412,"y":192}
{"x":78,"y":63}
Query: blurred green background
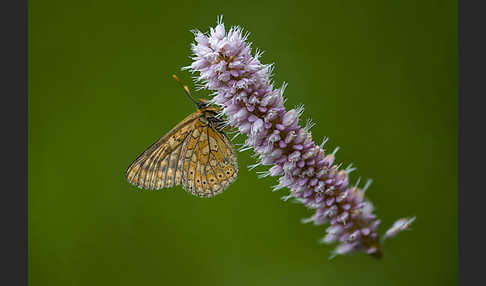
{"x":378,"y":77}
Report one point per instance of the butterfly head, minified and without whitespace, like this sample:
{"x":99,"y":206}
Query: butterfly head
{"x":203,"y":103}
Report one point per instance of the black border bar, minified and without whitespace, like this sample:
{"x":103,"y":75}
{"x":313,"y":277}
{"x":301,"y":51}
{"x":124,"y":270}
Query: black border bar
{"x":472,"y":128}
{"x":13,"y":116}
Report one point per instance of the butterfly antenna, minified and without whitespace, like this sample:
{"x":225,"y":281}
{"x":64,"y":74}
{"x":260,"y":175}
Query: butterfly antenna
{"x":186,"y":89}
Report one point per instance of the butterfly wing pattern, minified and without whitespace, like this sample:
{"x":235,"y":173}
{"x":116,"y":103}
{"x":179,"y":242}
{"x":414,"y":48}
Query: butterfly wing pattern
{"x":196,"y":153}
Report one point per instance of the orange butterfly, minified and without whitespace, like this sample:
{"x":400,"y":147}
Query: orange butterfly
{"x":195,"y":153}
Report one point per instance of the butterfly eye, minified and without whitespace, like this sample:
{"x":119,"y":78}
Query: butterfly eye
{"x":202,"y":103}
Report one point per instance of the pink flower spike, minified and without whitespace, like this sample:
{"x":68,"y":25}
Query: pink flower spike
{"x":225,"y":65}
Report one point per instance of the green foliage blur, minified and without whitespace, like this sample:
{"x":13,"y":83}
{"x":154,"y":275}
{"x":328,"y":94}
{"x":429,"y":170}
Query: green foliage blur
{"x":378,"y":77}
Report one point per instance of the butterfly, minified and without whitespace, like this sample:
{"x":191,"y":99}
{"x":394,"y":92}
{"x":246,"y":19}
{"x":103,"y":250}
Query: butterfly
{"x":196,"y":154}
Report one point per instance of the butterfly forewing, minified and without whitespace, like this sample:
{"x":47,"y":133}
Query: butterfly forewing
{"x":195,"y":153}
{"x":149,"y":169}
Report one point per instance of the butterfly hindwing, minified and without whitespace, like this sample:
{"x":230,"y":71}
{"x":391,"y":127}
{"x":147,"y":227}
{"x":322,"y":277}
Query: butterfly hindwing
{"x":211,"y":162}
